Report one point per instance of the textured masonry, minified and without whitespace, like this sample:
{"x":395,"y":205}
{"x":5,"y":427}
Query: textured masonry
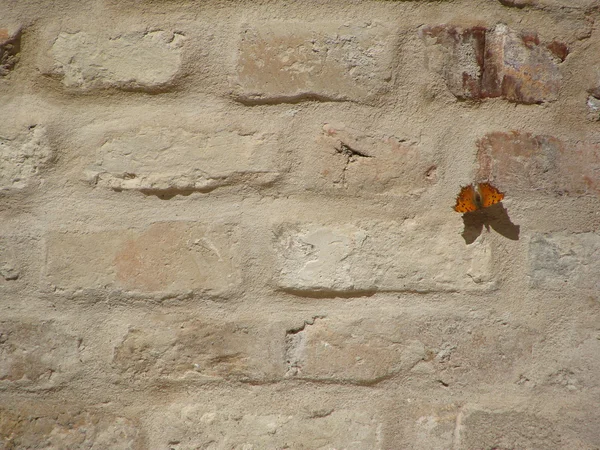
{"x":230,"y":225}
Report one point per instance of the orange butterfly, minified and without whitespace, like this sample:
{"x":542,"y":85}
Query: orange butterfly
{"x":477,"y":196}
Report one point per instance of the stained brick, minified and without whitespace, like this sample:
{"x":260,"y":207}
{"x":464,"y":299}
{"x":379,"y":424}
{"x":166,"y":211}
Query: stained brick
{"x":481,"y":63}
{"x":347,"y":258}
{"x":283,"y":62}
{"x":37,"y":355}
{"x":134,"y":61}
{"x":361,"y":163}
{"x":175,"y":349}
{"x":10,"y":46}
{"x":177,"y":160}
{"x":167,"y":258}
{"x":23,"y":156}
{"x":542,"y":163}
{"x":568,"y":261}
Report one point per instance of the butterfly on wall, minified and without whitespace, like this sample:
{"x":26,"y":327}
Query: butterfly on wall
{"x":477,"y":196}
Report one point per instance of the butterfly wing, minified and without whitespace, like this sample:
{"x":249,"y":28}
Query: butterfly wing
{"x":465,"y":200}
{"x":490,"y":195}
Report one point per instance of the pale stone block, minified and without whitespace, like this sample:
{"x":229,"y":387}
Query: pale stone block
{"x":379,"y":256}
{"x":560,"y":261}
{"x":199,"y":426}
{"x":363,"y":351}
{"x":37,"y":355}
{"x":369,"y":350}
{"x":45,"y":424}
{"x":23,"y":157}
{"x":171,"y":349}
{"x":168,"y":258}
{"x":156,"y":160}
{"x":291,"y":61}
{"x":134,"y":61}
{"x":505,"y":429}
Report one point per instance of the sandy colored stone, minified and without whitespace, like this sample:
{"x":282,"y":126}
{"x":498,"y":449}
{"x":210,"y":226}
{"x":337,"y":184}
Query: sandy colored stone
{"x":199,"y":426}
{"x":23,"y":157}
{"x":290,"y":61}
{"x":168,"y":257}
{"x":565,"y":261}
{"x":32,"y":425}
{"x":506,"y":429}
{"x":347,"y":259}
{"x":362,"y":163}
{"x":171,"y":160}
{"x":132,"y":61}
{"x":446,"y":350}
{"x":37,"y":355}
{"x":182,"y":350}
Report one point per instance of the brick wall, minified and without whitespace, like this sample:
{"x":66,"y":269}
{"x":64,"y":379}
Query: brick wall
{"x":228,"y":224}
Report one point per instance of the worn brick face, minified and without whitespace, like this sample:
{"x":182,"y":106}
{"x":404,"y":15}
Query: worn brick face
{"x":259,"y":426}
{"x":286,"y":62}
{"x":370,"y":350}
{"x":541,"y":163}
{"x":167,"y":161}
{"x":132,"y":61}
{"x":169,"y":258}
{"x":506,"y":429}
{"x":178,"y":350}
{"x":37,"y":354}
{"x":23,"y":157}
{"x":36,"y":425}
{"x":365,"y":163}
{"x":565,"y":261}
{"x":481,"y":63}
{"x":313,"y":258}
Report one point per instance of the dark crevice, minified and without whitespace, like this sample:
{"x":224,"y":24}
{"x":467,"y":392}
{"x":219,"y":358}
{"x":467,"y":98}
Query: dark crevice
{"x":330,"y":293}
{"x":350,"y":152}
{"x":292,"y":99}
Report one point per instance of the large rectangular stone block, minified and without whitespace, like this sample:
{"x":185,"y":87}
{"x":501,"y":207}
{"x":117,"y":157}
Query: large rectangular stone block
{"x":378,"y":257}
{"x":167,"y":161}
{"x":357,"y":162}
{"x":144,"y":60}
{"x":37,"y":355}
{"x":174,"y":349}
{"x":505,"y":429}
{"x":431,"y":347}
{"x":165,"y":258}
{"x":291,"y":61}
{"x":269,"y":426}
{"x":53,"y":424}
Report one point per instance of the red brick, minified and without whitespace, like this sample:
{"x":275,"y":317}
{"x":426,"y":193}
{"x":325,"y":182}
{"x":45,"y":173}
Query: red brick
{"x":541,"y":163}
{"x":10,"y":46}
{"x":499,"y":62}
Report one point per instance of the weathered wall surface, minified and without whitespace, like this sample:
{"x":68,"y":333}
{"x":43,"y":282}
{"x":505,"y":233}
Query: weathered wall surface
{"x":229,"y":224}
